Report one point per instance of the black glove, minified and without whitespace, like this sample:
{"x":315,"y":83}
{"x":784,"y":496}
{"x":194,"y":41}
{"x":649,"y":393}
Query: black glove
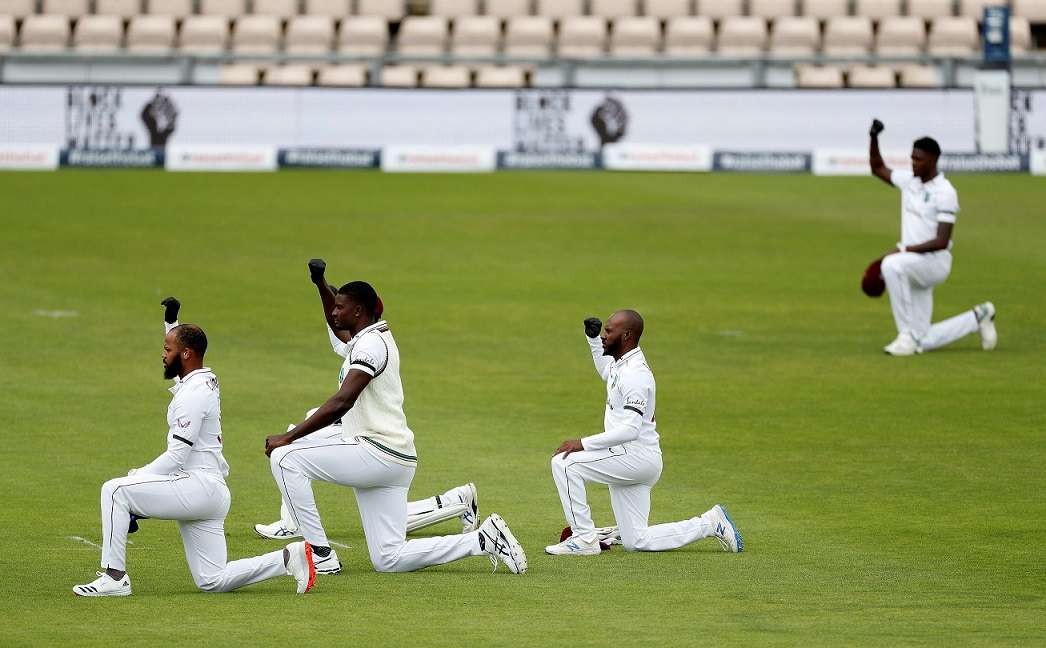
{"x":316,"y":268}
{"x":877,"y":127}
{"x":593,"y":326}
{"x":171,"y":304}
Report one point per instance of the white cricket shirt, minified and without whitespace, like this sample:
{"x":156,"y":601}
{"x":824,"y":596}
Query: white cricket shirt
{"x":194,"y":435}
{"x":631,"y":397}
{"x":923,"y":205}
{"x":377,"y":416}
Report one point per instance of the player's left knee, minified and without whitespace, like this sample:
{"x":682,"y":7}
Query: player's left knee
{"x":209,"y":585}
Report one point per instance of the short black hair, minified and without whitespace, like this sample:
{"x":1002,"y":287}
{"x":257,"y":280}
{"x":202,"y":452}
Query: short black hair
{"x":929,"y":145}
{"x":361,"y":293}
{"x":192,"y":337}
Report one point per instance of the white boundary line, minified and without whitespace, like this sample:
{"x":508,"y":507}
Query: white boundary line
{"x":83,"y":540}
{"x":338,"y":544}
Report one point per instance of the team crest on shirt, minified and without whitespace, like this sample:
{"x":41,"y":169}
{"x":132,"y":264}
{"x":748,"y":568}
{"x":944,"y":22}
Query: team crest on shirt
{"x":183,"y":422}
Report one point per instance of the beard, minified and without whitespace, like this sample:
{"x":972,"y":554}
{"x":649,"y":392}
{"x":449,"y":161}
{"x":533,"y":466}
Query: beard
{"x":174,"y":368}
{"x":611,"y":349}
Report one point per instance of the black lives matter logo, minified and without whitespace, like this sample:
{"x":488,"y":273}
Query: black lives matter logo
{"x":610,"y":120}
{"x":540,"y":123}
{"x":92,"y":119}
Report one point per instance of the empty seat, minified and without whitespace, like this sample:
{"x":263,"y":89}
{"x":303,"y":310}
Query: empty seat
{"x":238,"y":74}
{"x":98,"y":33}
{"x":877,"y":9}
{"x":352,"y":75}
{"x":742,"y":36}
{"x":423,"y":35}
{"x":506,"y":8}
{"x":309,"y":35}
{"x":920,"y":76}
{"x":848,"y":36}
{"x":176,"y":8}
{"x":668,"y":8}
{"x":363,"y":36}
{"x":41,"y":33}
{"x":256,"y":35}
{"x":771,"y":8}
{"x":560,"y":8}
{"x":68,"y":8}
{"x":121,"y":8}
{"x":332,"y":8}
{"x":7,"y":32}
{"x":928,"y":9}
{"x":151,"y":34}
{"x":476,"y":36}
{"x":289,"y":75}
{"x":227,"y":8}
{"x":387,"y":9}
{"x":901,"y":36}
{"x":399,"y":76}
{"x":635,"y":37}
{"x":204,"y":34}
{"x":17,"y":8}
{"x":613,"y":8}
{"x":454,"y":8}
{"x":1033,"y":10}
{"x":281,"y":8}
{"x":871,"y":76}
{"x":824,"y":9}
{"x":953,"y":36}
{"x":975,"y":8}
{"x":1020,"y":35}
{"x":817,"y":76}
{"x":688,"y":37}
{"x":528,"y":36}
{"x":720,"y":8}
{"x":582,"y":36}
{"x":795,"y":36}
{"x":446,"y":76}
{"x":503,"y":76}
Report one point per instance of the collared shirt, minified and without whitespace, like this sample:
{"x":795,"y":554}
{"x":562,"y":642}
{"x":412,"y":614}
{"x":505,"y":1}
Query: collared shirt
{"x":377,"y":416}
{"x":923,"y":205}
{"x":194,"y":421}
{"x":631,"y":398}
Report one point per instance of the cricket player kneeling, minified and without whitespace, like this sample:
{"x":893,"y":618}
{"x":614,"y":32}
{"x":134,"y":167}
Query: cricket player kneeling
{"x":626,"y":456}
{"x":187,"y":483}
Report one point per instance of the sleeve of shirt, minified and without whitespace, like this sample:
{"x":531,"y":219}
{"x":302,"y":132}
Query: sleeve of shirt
{"x":637,"y":399}
{"x":900,"y":177}
{"x":341,"y":348}
{"x":189,"y":411}
{"x":602,"y":362}
{"x":947,"y":206}
{"x":370,"y":355}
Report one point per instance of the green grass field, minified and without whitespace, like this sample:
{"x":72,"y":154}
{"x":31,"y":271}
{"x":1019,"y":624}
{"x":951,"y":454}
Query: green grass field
{"x":883,"y":500}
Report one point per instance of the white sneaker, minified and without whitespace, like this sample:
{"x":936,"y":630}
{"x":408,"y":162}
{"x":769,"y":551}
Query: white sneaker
{"x":276,"y":531}
{"x":986,"y":324}
{"x":574,"y":547}
{"x":105,"y":585}
{"x":610,"y":535}
{"x":327,"y":566}
{"x":903,"y":345}
{"x":470,"y":498}
{"x":300,"y":565}
{"x":497,"y":540}
{"x":724,"y":530}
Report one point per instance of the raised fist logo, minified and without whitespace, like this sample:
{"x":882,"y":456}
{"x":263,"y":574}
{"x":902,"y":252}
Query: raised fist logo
{"x":610,"y":120}
{"x":159,"y":117}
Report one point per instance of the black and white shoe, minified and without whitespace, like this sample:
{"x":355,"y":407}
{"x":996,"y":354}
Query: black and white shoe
{"x":497,"y":540}
{"x":326,"y":565}
{"x":105,"y":585}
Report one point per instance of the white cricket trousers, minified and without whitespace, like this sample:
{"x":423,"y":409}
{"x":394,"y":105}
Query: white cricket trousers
{"x":910,"y":278}
{"x":381,"y":488}
{"x":630,"y":470}
{"x":199,"y":501}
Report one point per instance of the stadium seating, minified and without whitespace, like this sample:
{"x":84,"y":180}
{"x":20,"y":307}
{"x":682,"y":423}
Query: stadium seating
{"x":720,"y":8}
{"x":363,"y":36}
{"x":399,"y":76}
{"x":226,"y":8}
{"x":582,"y":37}
{"x":239,"y":74}
{"x":43,"y":33}
{"x":351,"y":75}
{"x":795,"y":36}
{"x":816,"y":76}
{"x":848,"y":36}
{"x":17,"y":9}
{"x":1033,"y":10}
{"x":613,"y":8}
{"x":635,"y":37}
{"x":67,"y":8}
{"x":475,"y":36}
{"x":387,"y":9}
{"x":151,"y":34}
{"x":689,"y":36}
{"x":869,"y":76}
{"x":901,"y":36}
{"x":175,"y":8}
{"x":507,"y":8}
{"x":445,"y":76}
{"x":824,"y":9}
{"x":1020,"y":35}
{"x":281,"y":8}
{"x":742,"y":36}
{"x":7,"y":32}
{"x":559,"y":8}
{"x":528,"y":36}
{"x":123,"y":8}
{"x":309,"y":35}
{"x":920,"y":76}
{"x":953,"y":36}
{"x":509,"y":76}
{"x":453,"y":8}
{"x":204,"y":34}
{"x":422,"y":35}
{"x":929,"y":9}
{"x":98,"y":34}
{"x":256,"y":35}
{"x":664,"y":9}
{"x":289,"y":75}
{"x":877,"y":9}
{"x":771,"y":8}
{"x":331,"y":8}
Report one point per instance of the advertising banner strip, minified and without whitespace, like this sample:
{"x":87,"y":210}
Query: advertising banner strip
{"x":762,"y":161}
{"x":113,"y":158}
{"x":1038,"y":162}
{"x":438,"y":159}
{"x":328,"y":158}
{"x":983,"y":162}
{"x":519,"y":160}
{"x":221,"y":158}
{"x":28,"y":157}
{"x":657,"y":157}
{"x":835,"y":162}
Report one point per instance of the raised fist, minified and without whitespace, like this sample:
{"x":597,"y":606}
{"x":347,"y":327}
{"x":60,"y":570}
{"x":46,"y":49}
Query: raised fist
{"x":316,"y":268}
{"x":593,"y":326}
{"x":877,"y":127}
{"x":171,"y":306}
